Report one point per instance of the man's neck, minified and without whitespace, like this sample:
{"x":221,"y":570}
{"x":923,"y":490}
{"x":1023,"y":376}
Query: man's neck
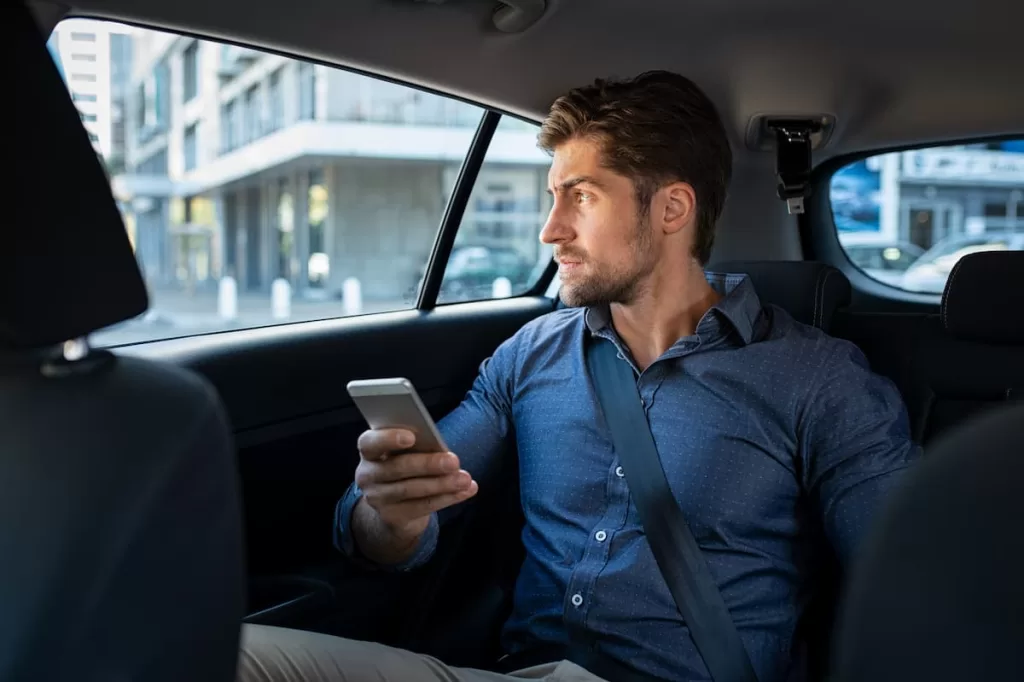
{"x":665,"y":312}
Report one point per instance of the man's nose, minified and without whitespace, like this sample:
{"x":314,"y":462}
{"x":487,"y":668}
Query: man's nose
{"x":556,"y":230}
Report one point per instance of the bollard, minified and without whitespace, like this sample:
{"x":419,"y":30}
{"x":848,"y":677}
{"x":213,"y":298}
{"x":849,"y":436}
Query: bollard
{"x":352,"y":292}
{"x":280,"y":299}
{"x":501,"y":288}
{"x":227,"y":299}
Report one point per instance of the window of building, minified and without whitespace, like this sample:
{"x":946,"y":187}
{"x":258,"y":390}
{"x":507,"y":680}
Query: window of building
{"x":84,"y":77}
{"x":906,"y":218}
{"x":190,"y":67}
{"x":276,"y":117}
{"x":82,"y":97}
{"x":83,"y":37}
{"x":191,"y":147}
{"x":345,"y":211}
{"x":87,"y":118}
{"x":251,"y":126}
{"x":227,"y":127}
{"x":318,"y":268}
{"x":83,"y":57}
{"x":307,"y":91}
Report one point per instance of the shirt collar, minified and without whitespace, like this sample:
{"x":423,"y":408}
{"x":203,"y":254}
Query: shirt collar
{"x":739,"y":305}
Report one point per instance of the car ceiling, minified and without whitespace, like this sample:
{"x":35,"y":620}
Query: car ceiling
{"x":893,"y":72}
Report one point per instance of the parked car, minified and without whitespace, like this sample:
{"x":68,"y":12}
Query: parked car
{"x":472,"y":270}
{"x":885,"y":262}
{"x":928,"y":274}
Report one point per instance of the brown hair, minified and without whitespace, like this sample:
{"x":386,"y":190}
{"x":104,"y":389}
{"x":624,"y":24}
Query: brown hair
{"x":656,"y":128}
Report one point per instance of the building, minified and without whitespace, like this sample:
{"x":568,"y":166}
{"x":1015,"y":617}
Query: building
{"x":263,"y":167}
{"x":94,"y":58}
{"x":929,"y":195}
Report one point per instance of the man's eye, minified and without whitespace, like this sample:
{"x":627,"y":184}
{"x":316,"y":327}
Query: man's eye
{"x":583,"y":197}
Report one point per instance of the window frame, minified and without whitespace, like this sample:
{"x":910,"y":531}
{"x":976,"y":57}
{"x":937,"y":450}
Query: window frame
{"x":819,"y":234}
{"x":455,"y":208}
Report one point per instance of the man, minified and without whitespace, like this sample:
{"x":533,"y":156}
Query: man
{"x":768,"y":430}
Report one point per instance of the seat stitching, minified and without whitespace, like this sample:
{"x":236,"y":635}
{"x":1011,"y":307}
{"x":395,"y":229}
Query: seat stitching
{"x":817,"y":291}
{"x":949,"y":287}
{"x":824,"y":286}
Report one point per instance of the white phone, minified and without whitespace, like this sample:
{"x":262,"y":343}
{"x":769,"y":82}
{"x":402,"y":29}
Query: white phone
{"x":394,"y":403}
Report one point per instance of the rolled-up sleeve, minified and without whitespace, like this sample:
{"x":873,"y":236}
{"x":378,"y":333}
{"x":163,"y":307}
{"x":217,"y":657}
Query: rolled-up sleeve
{"x":478,"y":431}
{"x":857,"y":442}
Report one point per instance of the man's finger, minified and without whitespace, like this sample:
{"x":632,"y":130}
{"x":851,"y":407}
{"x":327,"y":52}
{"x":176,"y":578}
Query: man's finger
{"x":376,"y":443}
{"x":416,"y":465}
{"x":417,"y":509}
{"x":400,"y":492}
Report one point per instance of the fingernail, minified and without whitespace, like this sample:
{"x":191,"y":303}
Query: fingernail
{"x":406,"y":439}
{"x":451,"y":462}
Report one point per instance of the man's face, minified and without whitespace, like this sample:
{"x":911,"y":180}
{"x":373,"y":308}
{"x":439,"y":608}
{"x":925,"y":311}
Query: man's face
{"x":602,"y":240}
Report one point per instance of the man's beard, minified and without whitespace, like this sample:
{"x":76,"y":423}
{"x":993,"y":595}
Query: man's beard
{"x":604,"y":285}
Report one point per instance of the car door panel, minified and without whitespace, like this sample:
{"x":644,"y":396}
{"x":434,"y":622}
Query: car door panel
{"x":296,"y":428}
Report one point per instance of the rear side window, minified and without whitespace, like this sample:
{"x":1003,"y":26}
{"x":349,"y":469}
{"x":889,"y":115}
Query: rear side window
{"x":258,"y":189}
{"x":497,"y":252}
{"x":906,"y":218}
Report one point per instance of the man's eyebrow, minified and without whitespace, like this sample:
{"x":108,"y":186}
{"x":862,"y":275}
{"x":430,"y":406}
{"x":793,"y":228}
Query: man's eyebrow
{"x":578,"y":180}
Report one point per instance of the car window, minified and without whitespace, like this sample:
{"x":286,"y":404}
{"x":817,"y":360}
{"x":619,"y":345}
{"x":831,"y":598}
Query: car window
{"x":258,"y":189}
{"x":906,"y":218}
{"x":497,"y":250}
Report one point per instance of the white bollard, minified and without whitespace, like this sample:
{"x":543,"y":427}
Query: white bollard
{"x":227,"y":299}
{"x":501,"y":288}
{"x":280,"y":299}
{"x":352,"y":293}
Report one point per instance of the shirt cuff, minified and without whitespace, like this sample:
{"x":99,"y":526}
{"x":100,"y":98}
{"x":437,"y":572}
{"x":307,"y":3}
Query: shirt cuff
{"x":346,"y":544}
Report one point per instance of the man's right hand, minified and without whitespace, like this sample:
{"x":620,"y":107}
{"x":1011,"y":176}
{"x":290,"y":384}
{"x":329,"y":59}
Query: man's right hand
{"x":405,"y":489}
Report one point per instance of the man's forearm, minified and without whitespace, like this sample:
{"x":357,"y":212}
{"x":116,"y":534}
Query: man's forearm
{"x":376,"y":541}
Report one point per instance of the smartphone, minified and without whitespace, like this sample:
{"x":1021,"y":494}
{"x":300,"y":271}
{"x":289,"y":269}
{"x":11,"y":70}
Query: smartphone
{"x":394,"y":403}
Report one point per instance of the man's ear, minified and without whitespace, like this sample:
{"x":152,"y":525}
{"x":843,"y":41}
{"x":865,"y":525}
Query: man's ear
{"x":678,"y":206}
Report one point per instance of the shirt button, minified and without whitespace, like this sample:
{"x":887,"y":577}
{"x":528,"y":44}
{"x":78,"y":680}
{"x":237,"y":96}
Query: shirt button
{"x":600,"y":536}
{"x":619,"y":472}
{"x":577,"y":599}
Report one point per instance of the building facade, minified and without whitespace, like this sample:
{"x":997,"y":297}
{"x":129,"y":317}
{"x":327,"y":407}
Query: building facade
{"x":263,"y":167}
{"x":924,"y":197}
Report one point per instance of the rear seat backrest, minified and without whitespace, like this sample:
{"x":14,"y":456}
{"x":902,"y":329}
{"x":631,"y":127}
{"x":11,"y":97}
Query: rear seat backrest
{"x":809,"y":291}
{"x":967,"y":358}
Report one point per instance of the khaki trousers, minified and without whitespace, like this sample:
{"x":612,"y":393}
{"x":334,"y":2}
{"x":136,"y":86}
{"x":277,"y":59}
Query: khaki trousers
{"x":272,"y":654}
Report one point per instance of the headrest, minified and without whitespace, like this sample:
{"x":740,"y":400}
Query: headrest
{"x":984,"y":297}
{"x":67,"y":266}
{"x":809,"y":291}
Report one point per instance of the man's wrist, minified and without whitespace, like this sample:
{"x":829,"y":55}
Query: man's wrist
{"x":401,"y":538}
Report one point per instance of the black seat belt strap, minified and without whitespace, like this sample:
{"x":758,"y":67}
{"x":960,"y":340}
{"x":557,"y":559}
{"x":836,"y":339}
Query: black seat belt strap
{"x":675,"y":550}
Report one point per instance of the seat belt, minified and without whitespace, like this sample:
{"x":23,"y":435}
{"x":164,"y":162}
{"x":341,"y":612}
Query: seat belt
{"x":675,"y":550}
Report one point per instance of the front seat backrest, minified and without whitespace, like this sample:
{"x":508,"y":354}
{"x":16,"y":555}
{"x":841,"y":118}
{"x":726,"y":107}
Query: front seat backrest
{"x":937,"y":593}
{"x":120,"y":548}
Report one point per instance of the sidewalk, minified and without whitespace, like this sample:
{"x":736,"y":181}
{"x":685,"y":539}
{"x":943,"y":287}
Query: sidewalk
{"x":175,"y":313}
